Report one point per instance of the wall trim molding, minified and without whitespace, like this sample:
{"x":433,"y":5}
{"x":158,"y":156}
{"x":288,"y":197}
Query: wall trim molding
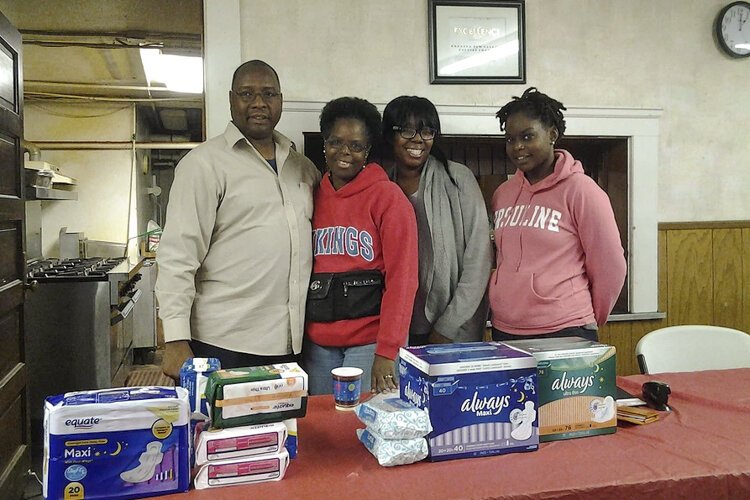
{"x":722,"y":224}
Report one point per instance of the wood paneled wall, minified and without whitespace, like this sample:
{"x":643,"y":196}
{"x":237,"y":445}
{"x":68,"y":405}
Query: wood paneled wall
{"x":704,"y":278}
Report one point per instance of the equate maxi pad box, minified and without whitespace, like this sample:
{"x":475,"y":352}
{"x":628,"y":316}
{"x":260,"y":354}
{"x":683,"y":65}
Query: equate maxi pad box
{"x":481,"y":397}
{"x":113,"y":444}
{"x":577,"y":392}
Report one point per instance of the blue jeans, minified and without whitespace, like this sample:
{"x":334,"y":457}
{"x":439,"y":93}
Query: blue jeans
{"x":318,"y":361}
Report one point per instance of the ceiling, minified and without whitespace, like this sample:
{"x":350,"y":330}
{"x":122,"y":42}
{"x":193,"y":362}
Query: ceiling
{"x":89,"y":50}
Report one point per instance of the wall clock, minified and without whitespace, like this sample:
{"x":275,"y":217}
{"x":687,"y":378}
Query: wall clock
{"x":733,"y":29}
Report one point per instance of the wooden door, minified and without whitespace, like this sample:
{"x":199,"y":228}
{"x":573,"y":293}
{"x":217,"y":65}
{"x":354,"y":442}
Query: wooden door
{"x":15,"y":453}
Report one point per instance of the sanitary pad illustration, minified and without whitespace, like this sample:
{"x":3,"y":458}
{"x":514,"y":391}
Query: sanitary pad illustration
{"x":521,"y":421}
{"x":603,"y":410}
{"x":148,"y":462}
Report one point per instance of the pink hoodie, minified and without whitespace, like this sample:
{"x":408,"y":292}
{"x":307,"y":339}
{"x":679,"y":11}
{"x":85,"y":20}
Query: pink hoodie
{"x":560,"y":262}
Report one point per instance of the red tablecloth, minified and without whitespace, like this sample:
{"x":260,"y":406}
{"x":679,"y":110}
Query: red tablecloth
{"x":700,"y":450}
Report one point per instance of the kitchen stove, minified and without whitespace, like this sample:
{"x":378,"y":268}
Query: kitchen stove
{"x":79,"y":326}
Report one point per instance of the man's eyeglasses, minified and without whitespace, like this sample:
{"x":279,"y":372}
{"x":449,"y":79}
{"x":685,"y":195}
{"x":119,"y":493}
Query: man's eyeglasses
{"x":249,"y":95}
{"x":354,"y":147}
{"x":426,"y":133}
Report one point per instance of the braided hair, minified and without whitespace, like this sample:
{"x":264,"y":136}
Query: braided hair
{"x":536,"y":105}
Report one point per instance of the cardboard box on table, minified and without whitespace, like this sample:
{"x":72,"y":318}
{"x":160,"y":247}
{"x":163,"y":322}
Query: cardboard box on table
{"x":480,"y":397}
{"x":576,"y":386}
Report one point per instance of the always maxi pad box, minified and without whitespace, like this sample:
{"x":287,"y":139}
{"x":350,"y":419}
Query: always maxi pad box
{"x":481,"y":397}
{"x":255,"y":395}
{"x":193,"y":377}
{"x":576,"y":385}
{"x":116,"y":443}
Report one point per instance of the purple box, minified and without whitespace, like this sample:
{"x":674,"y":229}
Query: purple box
{"x":481,"y":397}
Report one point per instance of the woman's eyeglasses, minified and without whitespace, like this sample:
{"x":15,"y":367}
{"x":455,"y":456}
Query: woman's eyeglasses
{"x":354,"y":147}
{"x":426,"y":133}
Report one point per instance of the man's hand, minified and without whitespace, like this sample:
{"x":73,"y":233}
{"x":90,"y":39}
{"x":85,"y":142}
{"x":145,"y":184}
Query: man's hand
{"x":437,"y":338}
{"x":175,"y":354}
{"x":383,"y":375}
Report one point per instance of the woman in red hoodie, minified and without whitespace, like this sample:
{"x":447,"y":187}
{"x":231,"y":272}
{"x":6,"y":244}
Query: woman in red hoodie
{"x":361,"y":294}
{"x":560,"y":265}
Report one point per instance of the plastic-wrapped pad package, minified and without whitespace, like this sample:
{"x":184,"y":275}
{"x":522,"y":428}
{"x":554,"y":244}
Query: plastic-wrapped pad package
{"x":242,"y":470}
{"x":130,"y":442}
{"x":393,"y":418}
{"x":291,"y":437}
{"x":193,"y":377}
{"x":390,"y":452}
{"x":255,"y":395}
{"x":245,"y":441}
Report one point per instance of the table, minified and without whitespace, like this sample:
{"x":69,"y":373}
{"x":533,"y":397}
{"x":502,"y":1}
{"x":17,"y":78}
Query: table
{"x":699,"y":450}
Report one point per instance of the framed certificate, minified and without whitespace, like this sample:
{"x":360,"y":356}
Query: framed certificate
{"x":477,"y":41}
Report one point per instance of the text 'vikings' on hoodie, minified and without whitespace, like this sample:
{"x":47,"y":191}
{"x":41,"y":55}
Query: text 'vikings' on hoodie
{"x":559,"y":260}
{"x":380,"y":232}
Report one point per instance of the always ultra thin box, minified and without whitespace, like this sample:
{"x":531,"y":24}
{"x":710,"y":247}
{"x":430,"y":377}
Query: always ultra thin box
{"x":481,"y":397}
{"x":576,"y":381}
{"x":256,"y":395}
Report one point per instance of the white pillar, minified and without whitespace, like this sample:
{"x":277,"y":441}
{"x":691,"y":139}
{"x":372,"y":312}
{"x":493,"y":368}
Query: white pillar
{"x":221,"y":55}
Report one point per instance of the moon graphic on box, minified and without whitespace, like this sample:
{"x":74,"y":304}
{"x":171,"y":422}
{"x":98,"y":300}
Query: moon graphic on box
{"x":117,"y":451}
{"x":523,"y":396}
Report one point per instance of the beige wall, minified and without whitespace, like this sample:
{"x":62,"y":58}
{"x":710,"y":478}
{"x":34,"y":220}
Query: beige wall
{"x":597,"y":53}
{"x":101,"y":211}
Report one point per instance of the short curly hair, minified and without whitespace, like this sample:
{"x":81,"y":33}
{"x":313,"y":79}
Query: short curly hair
{"x":535,"y":105}
{"x":354,"y":108}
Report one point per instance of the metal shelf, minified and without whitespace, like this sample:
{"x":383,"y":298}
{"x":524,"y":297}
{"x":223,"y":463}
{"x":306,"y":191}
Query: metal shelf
{"x":40,"y":193}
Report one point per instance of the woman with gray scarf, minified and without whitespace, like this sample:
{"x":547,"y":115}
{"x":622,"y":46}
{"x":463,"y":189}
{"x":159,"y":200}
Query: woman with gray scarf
{"x":453,"y":229}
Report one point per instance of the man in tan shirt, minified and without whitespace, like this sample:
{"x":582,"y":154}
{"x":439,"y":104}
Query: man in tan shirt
{"x":235,"y":256}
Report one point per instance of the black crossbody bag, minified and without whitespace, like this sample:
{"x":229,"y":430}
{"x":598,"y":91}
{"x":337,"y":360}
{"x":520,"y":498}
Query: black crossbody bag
{"x":349,"y":295}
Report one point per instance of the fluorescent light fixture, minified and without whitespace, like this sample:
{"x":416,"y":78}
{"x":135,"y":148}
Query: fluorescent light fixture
{"x":504,"y":50}
{"x":177,"y":73}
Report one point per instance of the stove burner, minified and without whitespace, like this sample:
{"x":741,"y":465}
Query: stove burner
{"x":81,"y":269}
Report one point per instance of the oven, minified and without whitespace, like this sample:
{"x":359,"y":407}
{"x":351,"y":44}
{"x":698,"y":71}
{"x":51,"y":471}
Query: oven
{"x":79,"y":326}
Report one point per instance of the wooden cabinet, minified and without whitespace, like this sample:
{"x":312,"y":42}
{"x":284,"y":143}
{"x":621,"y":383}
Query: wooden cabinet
{"x":15,"y":456}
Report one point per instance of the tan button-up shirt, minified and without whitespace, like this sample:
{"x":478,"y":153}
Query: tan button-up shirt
{"x":235,"y":256}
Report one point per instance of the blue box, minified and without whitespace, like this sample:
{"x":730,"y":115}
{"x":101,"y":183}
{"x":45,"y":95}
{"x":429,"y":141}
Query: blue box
{"x":481,"y":397}
{"x":194,"y":374}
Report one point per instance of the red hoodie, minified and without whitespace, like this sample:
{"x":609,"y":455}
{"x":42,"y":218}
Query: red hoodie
{"x":381,"y":223}
{"x":560,"y":262}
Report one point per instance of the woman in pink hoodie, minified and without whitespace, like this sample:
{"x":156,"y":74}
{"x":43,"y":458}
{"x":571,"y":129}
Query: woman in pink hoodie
{"x":560,"y":265}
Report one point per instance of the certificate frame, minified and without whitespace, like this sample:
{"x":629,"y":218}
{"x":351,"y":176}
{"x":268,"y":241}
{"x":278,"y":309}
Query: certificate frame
{"x":477,"y":41}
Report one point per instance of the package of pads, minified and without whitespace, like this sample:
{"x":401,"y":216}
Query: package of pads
{"x":258,"y":394}
{"x":291,"y":437}
{"x":390,"y":452}
{"x":244,"y":441}
{"x":130,"y":442}
{"x":193,"y":377}
{"x":576,"y":382}
{"x":242,"y":470}
{"x":393,"y":418}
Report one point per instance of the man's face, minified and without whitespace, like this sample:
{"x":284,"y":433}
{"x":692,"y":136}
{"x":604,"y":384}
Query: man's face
{"x":255,"y":102}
